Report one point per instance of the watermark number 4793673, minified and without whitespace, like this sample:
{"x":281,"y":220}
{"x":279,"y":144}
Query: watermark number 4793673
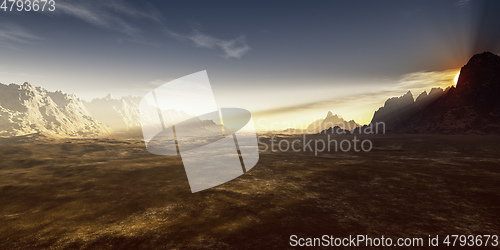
{"x":28,"y":5}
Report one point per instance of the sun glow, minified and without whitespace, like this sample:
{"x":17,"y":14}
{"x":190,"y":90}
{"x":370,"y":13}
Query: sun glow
{"x":456,"y":78}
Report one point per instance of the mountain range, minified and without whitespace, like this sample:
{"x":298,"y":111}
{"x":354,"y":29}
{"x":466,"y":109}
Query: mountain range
{"x":472,"y":107}
{"x":25,"y":109}
{"x":119,"y":114}
{"x":331,"y":121}
{"x":397,"y":110}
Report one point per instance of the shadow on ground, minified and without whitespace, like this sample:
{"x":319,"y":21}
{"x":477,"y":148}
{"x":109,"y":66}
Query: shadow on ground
{"x":102,"y":193}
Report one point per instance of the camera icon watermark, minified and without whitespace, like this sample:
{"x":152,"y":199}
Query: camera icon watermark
{"x":216,"y":144}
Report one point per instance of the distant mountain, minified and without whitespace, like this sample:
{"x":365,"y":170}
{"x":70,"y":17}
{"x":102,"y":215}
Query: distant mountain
{"x":25,"y":109}
{"x":472,"y":107}
{"x":331,"y":121}
{"x":398,"y":110}
{"x":119,"y":114}
{"x":123,"y":115}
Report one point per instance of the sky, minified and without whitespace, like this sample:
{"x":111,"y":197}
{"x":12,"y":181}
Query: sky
{"x":288,"y":62}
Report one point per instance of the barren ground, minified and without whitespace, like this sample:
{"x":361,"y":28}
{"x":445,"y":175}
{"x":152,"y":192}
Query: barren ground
{"x":82,"y":193}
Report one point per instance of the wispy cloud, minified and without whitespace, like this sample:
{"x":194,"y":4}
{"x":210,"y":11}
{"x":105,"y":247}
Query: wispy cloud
{"x":116,"y":15}
{"x":113,"y":14}
{"x":13,"y":34}
{"x":233,"y":48}
{"x":463,"y":3}
{"x":361,"y":106}
{"x":418,"y":82}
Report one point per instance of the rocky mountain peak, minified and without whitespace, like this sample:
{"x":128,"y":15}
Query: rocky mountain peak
{"x":422,"y":96}
{"x":473,"y":106}
{"x":25,"y":109}
{"x":398,"y":102}
{"x":480,"y":75}
{"x":331,"y":121}
{"x":120,"y":114}
{"x":27,"y":85}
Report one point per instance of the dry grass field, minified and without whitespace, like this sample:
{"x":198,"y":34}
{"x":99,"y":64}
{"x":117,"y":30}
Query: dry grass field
{"x":112,"y":193}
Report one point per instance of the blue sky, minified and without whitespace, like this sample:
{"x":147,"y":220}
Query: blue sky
{"x":283,"y":60}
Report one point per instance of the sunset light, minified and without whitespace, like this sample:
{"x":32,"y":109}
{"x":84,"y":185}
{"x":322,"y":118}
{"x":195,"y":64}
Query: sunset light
{"x":456,"y":78}
{"x":249,"y":124}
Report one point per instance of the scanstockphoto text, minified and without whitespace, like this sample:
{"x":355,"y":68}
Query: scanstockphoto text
{"x":325,"y":141}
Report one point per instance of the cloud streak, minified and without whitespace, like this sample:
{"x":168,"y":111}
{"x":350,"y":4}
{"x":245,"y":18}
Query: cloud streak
{"x":233,"y":48}
{"x":116,"y":15}
{"x":462,"y":3}
{"x":364,"y":104}
{"x":13,"y":34}
{"x":418,"y":82}
{"x":112,"y":15}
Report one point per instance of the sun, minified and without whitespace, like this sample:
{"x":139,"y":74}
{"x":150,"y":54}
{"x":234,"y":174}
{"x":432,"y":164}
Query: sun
{"x":456,"y":78}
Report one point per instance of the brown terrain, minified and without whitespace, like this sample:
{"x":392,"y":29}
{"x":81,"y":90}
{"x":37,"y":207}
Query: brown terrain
{"x":103,"y":193}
